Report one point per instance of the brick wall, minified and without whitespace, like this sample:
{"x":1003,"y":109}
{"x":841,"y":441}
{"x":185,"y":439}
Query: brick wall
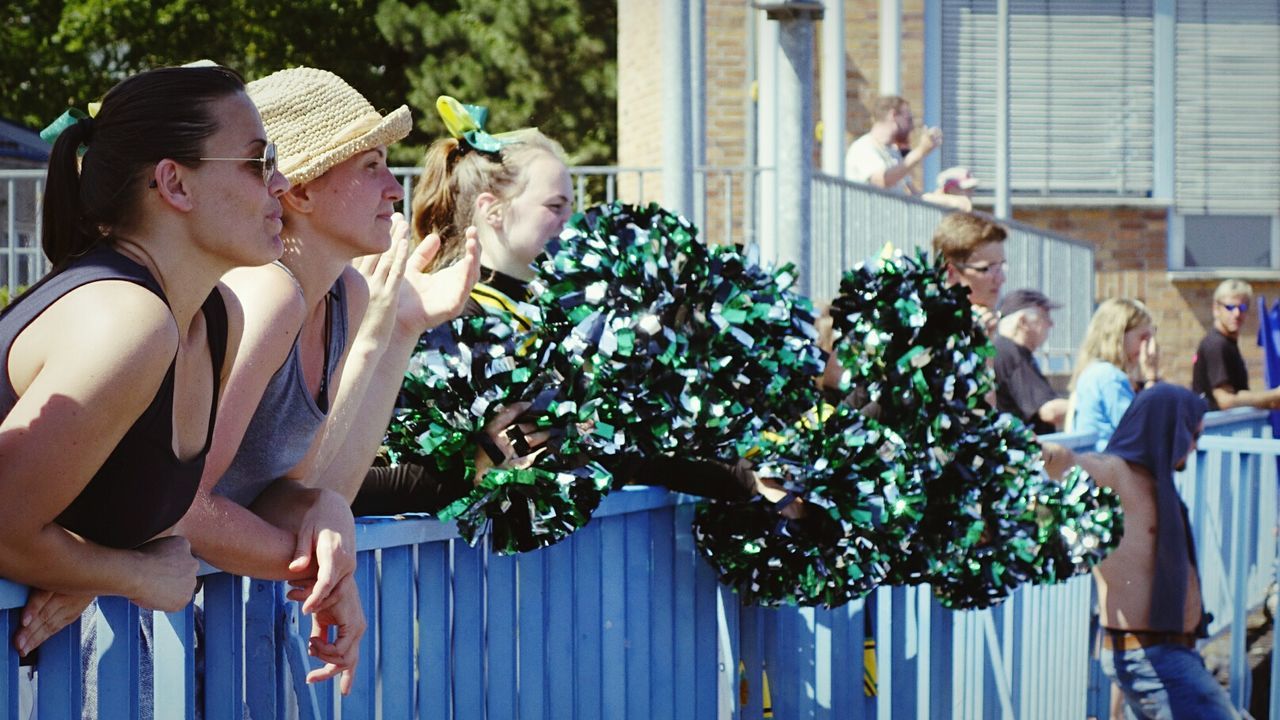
{"x":1130,"y":258}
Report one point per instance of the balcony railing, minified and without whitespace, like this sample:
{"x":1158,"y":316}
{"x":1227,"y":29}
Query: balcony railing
{"x":851,"y":222}
{"x":624,"y":620}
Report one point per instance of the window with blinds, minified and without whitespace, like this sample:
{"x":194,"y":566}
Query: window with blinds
{"x":1227,"y":117}
{"x":1081,"y":94}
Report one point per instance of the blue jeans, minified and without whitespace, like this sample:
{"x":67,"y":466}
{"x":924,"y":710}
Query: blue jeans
{"x":1166,"y":682}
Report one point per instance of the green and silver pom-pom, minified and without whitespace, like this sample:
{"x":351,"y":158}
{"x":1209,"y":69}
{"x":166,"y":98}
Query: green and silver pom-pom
{"x":693,"y":350}
{"x":911,"y":344}
{"x":856,"y":514}
{"x":1080,"y":524}
{"x":459,"y":378}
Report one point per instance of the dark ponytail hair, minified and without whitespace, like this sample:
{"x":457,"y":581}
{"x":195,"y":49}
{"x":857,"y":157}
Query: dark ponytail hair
{"x":144,"y":119}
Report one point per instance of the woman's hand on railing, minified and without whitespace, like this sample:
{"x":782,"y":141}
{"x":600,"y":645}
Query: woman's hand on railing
{"x":326,"y":546}
{"x":341,"y":611}
{"x":46,"y":613}
{"x":169,"y":581}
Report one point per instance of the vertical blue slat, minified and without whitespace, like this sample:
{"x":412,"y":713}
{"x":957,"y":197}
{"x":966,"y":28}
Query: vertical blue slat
{"x":940,"y":658}
{"x":9,"y":622}
{"x":823,"y":661}
{"x":501,"y":636}
{"x":598,"y":618}
{"x":435,"y":660}
{"x":223,"y":647}
{"x":730,"y":635}
{"x":259,"y":649}
{"x":751,"y":667}
{"x":395,"y":616}
{"x":362,"y":702}
{"x":531,"y":570}
{"x":560,"y":627}
{"x":686,"y":564}
{"x":638,"y":614}
{"x":662,"y":597}
{"x":613,"y":629}
{"x":175,"y":664}
{"x":117,"y":661}
{"x":706,"y":664}
{"x":468,"y":630}
{"x":310,"y":698}
{"x":59,"y":668}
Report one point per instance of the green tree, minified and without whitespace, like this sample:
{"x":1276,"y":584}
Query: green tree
{"x":54,"y":55}
{"x":549,"y":63}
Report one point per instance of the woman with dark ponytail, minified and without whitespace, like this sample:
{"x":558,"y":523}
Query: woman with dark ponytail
{"x":114,"y":361}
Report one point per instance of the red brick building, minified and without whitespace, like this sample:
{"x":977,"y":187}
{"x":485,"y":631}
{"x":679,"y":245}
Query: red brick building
{"x":1146,"y":130}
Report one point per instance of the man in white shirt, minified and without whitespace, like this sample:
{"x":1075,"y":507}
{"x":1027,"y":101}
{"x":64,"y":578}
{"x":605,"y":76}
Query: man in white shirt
{"x":875,"y":158}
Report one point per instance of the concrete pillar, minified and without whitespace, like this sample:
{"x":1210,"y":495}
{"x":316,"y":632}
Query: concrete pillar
{"x":890,"y":47}
{"x":833,"y":88}
{"x":794,"y":132}
{"x":1002,"y":204}
{"x":677,"y":103}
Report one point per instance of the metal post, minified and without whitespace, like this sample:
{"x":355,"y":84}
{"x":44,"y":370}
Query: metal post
{"x":932,"y":111}
{"x":833,"y":88}
{"x":1002,"y":208}
{"x":795,"y":132}
{"x":890,"y":47}
{"x":698,"y":103}
{"x":677,"y":117}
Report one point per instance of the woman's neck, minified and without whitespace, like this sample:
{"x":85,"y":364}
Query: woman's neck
{"x":314,"y":265}
{"x":186,"y":276}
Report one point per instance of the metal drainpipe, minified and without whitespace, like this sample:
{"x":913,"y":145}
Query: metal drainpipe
{"x":890,"y":47}
{"x":833,"y":89}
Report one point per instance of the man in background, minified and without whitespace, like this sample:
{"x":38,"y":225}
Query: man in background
{"x":875,"y":158}
{"x":1021,"y":388}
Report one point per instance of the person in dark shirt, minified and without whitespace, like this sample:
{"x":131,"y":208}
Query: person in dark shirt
{"x":1218,"y":372}
{"x":1021,"y":389}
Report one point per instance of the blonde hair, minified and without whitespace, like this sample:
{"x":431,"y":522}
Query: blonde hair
{"x":454,"y":175}
{"x":1233,"y":288}
{"x":1104,"y":340}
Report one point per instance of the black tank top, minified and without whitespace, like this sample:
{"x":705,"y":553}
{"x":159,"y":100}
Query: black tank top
{"x":142,"y":488}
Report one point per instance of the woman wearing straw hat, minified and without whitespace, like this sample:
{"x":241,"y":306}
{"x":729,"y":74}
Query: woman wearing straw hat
{"x":115,"y":360}
{"x":307,"y":402}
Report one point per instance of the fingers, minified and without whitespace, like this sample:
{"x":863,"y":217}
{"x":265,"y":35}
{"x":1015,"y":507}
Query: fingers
{"x":302,"y":550}
{"x":55,"y":612}
{"x":424,"y":253}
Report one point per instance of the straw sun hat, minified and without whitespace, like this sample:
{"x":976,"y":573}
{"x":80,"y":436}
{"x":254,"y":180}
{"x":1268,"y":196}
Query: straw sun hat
{"x":317,"y":120}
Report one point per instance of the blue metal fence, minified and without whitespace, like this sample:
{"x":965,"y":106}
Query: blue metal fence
{"x":624,"y":620}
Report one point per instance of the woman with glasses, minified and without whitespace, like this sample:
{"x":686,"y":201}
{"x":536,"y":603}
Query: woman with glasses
{"x":323,"y":346}
{"x":114,"y":362}
{"x":1119,"y":355}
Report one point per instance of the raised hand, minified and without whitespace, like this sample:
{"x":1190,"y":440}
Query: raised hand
{"x":431,"y":299}
{"x":384,"y":274}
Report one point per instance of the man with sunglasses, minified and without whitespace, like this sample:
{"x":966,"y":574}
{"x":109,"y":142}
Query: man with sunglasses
{"x":1218,"y":372}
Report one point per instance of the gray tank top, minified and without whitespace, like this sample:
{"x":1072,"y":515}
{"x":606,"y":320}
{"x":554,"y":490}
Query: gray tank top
{"x":288,"y":418}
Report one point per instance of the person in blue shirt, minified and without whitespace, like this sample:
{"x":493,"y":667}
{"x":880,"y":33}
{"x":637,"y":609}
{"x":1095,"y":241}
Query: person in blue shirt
{"x":1119,"y":355}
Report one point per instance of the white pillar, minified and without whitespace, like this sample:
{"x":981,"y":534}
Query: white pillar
{"x":833,"y":88}
{"x":890,"y":47}
{"x":795,"y":133}
{"x":677,"y":115}
{"x":1002,"y":205}
{"x":767,"y":136}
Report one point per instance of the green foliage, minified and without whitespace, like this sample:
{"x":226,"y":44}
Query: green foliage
{"x":549,"y":63}
{"x":561,"y":78}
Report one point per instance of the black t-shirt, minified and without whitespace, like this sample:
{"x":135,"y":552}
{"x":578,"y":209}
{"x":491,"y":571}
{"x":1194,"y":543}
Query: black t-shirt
{"x":1218,"y":362}
{"x":1020,"y":386}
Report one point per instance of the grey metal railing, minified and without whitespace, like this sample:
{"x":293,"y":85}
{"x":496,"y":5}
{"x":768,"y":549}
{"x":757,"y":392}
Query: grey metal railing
{"x":852,"y":222}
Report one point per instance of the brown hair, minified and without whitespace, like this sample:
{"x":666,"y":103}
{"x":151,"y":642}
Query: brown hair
{"x":454,"y":175}
{"x":886,"y":104}
{"x":158,"y":114}
{"x":961,"y":233}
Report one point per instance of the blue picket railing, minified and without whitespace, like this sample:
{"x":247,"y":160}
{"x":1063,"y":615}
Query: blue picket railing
{"x":624,"y":620}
